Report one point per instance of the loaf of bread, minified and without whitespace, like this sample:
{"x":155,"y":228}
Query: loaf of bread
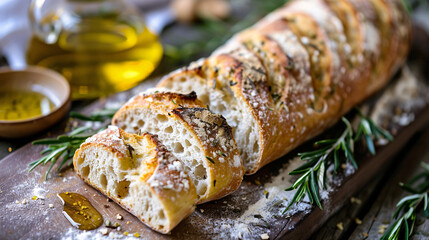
{"x":138,"y":173}
{"x":297,"y":71}
{"x":267,"y":90}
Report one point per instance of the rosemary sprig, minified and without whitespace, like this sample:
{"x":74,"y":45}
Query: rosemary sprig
{"x":332,"y":151}
{"x":406,"y":208}
{"x":64,"y":146}
{"x":98,"y":116}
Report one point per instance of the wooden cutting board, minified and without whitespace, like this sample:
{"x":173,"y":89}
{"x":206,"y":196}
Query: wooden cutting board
{"x":254,"y":209}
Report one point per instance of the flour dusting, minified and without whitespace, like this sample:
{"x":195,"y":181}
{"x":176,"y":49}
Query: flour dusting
{"x":254,"y":220}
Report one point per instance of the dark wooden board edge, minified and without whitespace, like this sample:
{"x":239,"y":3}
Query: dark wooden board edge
{"x":381,"y":210}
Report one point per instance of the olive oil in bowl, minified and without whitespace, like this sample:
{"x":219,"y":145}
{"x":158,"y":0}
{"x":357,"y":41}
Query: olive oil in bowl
{"x":22,"y":105}
{"x":99,"y":52}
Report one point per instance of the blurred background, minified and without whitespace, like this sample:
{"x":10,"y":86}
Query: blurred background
{"x":107,"y":46}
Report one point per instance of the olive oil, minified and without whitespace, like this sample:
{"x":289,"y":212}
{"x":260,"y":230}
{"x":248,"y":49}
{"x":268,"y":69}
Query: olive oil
{"x":99,"y":55}
{"x":79,"y":211}
{"x":21,"y":105}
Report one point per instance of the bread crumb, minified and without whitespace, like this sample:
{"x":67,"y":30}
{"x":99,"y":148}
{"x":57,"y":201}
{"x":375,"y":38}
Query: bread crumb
{"x":355,"y":200}
{"x":17,"y":202}
{"x":358,"y":221}
{"x":104,"y":231}
{"x":265,"y":236}
{"x":128,"y":222}
{"x":201,"y":210}
{"x":24,"y":201}
{"x":382,"y":228}
{"x":340,"y":226}
{"x":51,"y":205}
{"x":364,"y":234}
{"x":305,"y":40}
{"x":119,"y":216}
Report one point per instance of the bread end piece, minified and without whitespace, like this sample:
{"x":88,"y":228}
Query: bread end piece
{"x":139,"y":174}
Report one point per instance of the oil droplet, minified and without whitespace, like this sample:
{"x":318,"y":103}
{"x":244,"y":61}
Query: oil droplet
{"x":79,"y":211}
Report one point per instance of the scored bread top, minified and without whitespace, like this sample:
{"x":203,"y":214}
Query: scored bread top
{"x":341,"y":52}
{"x":138,"y":173}
{"x":216,"y":149}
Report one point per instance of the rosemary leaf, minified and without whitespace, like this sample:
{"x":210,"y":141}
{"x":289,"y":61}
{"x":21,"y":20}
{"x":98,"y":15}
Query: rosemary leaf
{"x":315,"y":189}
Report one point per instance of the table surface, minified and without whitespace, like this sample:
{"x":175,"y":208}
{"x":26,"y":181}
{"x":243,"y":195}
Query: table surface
{"x":362,"y":218}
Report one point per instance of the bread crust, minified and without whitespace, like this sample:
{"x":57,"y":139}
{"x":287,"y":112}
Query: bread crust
{"x":222,"y":159}
{"x":154,"y":173}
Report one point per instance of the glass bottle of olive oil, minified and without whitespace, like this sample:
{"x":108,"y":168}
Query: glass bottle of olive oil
{"x":100,"y":46}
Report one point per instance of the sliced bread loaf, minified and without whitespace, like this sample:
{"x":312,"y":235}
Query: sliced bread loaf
{"x":199,"y":138}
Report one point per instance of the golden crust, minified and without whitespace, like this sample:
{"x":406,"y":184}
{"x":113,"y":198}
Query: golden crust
{"x":223,"y":161}
{"x":269,"y":53}
{"x":155,"y":169}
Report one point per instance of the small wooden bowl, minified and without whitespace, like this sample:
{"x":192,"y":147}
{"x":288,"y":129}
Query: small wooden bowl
{"x":42,"y":80}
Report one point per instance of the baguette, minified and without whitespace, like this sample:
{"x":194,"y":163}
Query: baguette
{"x":202,"y":140}
{"x":297,"y":71}
{"x":138,"y":173}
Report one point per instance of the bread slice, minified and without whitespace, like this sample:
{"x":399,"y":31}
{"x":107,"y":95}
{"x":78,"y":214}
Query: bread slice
{"x":139,"y":174}
{"x":199,"y":138}
{"x":233,"y":83}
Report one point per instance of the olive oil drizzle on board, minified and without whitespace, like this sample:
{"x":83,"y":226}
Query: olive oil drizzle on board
{"x":79,"y":211}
